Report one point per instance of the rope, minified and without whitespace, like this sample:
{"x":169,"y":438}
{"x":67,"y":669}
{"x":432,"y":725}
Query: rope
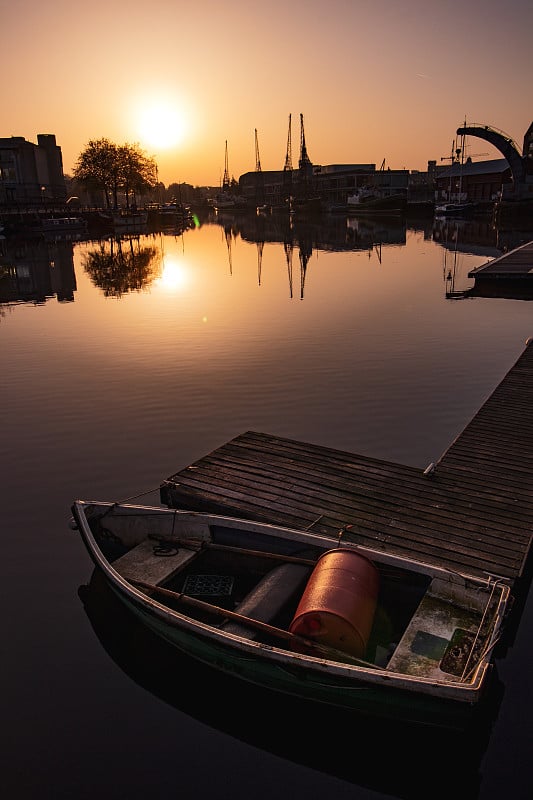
{"x":141,"y":494}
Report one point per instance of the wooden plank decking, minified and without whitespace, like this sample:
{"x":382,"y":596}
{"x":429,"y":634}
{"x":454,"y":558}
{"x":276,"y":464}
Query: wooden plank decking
{"x":510,"y":275}
{"x":517,"y":263}
{"x":473,"y":513}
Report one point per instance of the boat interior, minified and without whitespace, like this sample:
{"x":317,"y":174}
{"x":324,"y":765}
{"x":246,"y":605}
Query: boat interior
{"x":424,"y":623}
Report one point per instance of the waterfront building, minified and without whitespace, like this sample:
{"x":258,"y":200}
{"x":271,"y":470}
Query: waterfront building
{"x":473,"y":182}
{"x":332,"y":183}
{"x":31,"y":174}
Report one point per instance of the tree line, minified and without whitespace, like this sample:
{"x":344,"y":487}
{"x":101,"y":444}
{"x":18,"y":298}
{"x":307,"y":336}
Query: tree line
{"x":111,"y":168}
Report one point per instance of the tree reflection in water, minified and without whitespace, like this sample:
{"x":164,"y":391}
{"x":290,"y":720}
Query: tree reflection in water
{"x":122,"y":265}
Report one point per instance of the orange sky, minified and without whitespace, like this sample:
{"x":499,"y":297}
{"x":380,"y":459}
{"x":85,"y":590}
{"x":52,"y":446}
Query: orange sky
{"x":374,"y":79}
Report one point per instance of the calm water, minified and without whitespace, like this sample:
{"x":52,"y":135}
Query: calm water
{"x":124,"y":362}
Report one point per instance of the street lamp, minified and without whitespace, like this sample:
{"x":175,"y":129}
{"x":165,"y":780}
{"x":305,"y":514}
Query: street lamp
{"x":43,"y":190}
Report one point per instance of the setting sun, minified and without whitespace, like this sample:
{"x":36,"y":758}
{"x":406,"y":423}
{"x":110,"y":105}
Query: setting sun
{"x":160,"y":124}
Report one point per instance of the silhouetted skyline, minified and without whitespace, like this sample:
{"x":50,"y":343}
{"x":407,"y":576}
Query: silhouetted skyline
{"x":374,"y":80}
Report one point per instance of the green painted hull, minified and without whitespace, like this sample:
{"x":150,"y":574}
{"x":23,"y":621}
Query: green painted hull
{"x":375,"y":701}
{"x":398,"y":692}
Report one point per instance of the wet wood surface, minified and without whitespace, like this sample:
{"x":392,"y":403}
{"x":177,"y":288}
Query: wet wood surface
{"x":515,"y":263}
{"x":473,"y":513}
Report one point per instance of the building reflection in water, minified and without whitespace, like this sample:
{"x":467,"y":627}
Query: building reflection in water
{"x":328,"y":233}
{"x":36,"y":270}
{"x":481,"y":237}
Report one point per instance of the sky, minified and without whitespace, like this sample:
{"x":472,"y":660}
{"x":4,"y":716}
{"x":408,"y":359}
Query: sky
{"x":373,"y":79}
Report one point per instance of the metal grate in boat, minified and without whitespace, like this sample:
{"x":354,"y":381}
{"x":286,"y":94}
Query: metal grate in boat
{"x":209,"y":585}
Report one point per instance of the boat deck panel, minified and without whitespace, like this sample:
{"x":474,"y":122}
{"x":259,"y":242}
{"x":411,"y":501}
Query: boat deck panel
{"x":424,"y":649}
{"x":472,"y":514}
{"x":142,"y":563}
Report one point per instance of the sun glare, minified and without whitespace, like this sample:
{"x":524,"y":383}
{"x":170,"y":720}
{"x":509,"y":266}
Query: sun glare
{"x":174,"y":275}
{"x":161,"y":125}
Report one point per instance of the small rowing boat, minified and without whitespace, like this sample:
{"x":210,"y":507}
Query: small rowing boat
{"x":295,"y":612}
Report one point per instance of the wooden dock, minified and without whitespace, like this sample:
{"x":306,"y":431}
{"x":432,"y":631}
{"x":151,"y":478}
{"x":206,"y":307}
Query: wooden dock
{"x":472,"y":511}
{"x":509,"y":275}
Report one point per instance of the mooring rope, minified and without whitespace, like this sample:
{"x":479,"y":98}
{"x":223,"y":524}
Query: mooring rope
{"x":141,"y":494}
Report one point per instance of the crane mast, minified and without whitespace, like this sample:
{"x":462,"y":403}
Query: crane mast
{"x":305,"y":161}
{"x":259,"y":177}
{"x":288,"y":156}
{"x":225,"y":179}
{"x":286,"y":191}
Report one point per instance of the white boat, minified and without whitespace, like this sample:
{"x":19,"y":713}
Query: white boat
{"x":64,"y":225}
{"x":226,"y":201}
{"x":454,"y":209}
{"x":129,"y":220}
{"x":302,"y":614}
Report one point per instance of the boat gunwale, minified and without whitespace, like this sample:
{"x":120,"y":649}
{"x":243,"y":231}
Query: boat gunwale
{"x":375,"y":677}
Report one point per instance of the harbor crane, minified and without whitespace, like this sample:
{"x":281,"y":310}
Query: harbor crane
{"x":288,"y":155}
{"x":286,"y":191}
{"x":259,"y":177}
{"x":305,"y":167}
{"x":225,"y":180}
{"x":305,"y":161}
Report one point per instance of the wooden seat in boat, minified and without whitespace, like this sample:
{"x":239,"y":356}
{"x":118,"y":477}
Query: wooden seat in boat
{"x":144,"y":563}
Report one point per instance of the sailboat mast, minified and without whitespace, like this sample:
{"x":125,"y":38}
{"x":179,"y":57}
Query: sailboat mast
{"x":462,"y":149}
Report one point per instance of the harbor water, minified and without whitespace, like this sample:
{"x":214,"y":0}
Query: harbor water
{"x":126,"y":359}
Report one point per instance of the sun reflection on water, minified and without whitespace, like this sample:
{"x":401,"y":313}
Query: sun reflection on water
{"x":175,"y":275}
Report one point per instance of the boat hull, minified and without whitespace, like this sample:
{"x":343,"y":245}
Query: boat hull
{"x":454,"y":210}
{"x":357,"y":696}
{"x":323,"y":678}
{"x":392,"y":204}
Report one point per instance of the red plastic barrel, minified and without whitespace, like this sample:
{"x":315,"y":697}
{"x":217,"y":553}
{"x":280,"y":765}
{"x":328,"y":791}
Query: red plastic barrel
{"x":339,"y":602}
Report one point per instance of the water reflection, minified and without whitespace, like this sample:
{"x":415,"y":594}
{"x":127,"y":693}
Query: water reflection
{"x":173,"y":275}
{"x":404,"y":761}
{"x":328,"y":233}
{"x":461,"y":237}
{"x":340,"y":232}
{"x":122,"y":264}
{"x":478,"y":237}
{"x":36,"y":270}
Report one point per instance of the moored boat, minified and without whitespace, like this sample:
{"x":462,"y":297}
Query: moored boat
{"x":454,"y":209}
{"x":129,"y":219}
{"x":248,"y":713}
{"x":62,"y":225}
{"x":367,"y":199}
{"x":290,"y":611}
{"x":173,"y":211}
{"x":225,"y":201}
